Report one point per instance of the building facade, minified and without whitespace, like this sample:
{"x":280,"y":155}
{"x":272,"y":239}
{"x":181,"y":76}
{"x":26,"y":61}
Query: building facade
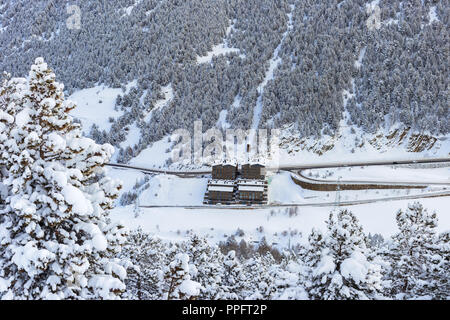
{"x":253,"y":171}
{"x":220,"y":191}
{"x":224,"y":172}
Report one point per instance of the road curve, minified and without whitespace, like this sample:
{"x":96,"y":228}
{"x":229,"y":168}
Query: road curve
{"x":411,"y":184}
{"x":193,"y":173}
{"x":326,"y":165}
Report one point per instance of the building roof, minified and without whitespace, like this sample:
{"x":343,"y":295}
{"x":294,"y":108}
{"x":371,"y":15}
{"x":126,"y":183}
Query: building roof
{"x":221,"y":182}
{"x":256,"y":161}
{"x":254,"y":165}
{"x":251,"y":188}
{"x":252,"y":182}
{"x":224,"y":165}
{"x":226,"y":162}
{"x":221,"y":188}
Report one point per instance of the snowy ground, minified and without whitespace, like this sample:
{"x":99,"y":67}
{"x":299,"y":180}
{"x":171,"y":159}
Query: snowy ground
{"x":154,"y":156}
{"x":168,"y":93}
{"x":220,"y":49}
{"x":134,"y":134}
{"x":167,"y":190}
{"x":217,"y":224}
{"x":282,"y":190}
{"x":175,"y":223}
{"x":127,"y":177}
{"x":96,"y":105}
{"x":382,"y":173}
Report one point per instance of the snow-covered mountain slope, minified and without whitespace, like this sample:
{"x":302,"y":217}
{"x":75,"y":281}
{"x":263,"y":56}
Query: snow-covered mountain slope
{"x":239,"y":64}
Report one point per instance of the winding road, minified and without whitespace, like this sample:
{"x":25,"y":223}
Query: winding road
{"x":298,"y":171}
{"x":324,"y":165}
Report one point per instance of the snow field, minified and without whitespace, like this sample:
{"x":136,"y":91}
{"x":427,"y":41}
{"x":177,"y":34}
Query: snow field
{"x":176,"y":223}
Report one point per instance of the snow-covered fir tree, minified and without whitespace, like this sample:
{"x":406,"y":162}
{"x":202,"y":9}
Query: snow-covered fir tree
{"x":288,"y":279}
{"x":178,"y":283}
{"x":339,"y":261}
{"x":233,"y":278}
{"x":147,"y":257}
{"x":56,"y":240}
{"x":206,"y":266}
{"x":440,"y":288}
{"x":259,"y":275}
{"x":419,"y":262}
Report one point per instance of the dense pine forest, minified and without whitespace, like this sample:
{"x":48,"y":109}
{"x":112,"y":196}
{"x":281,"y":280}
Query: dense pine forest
{"x":391,"y":57}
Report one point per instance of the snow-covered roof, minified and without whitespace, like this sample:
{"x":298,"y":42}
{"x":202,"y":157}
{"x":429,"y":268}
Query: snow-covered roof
{"x":230,"y":161}
{"x":222,"y":182}
{"x":251,"y":188}
{"x":251,"y":182}
{"x":223,"y":162}
{"x":255,"y":163}
{"x":221,"y":188}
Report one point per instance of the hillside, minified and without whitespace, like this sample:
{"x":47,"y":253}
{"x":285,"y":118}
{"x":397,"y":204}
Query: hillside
{"x":305,"y":65}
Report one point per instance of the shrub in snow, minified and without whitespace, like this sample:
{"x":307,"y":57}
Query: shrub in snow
{"x":56,"y":241}
{"x":338,"y":261}
{"x":419,"y":259}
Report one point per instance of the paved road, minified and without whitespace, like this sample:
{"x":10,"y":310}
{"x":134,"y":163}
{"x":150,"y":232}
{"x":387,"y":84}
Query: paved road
{"x":299,"y":169}
{"x":193,"y":173}
{"x":312,"y":204}
{"x":337,"y":164}
{"x":419,"y":184}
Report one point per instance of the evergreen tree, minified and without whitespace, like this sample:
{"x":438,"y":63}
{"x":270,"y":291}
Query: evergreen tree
{"x":259,"y":275}
{"x":206,"y":266}
{"x":440,"y":287}
{"x":178,"y":283}
{"x":147,"y":256}
{"x":289,"y":279}
{"x":416,"y":258}
{"x":56,"y":240}
{"x":233,"y":278}
{"x":338,"y":261}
